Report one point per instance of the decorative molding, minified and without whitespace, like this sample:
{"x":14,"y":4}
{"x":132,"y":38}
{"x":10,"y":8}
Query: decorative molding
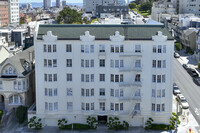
{"x":49,"y":37}
{"x":159,"y":37}
{"x":117,"y":37}
{"x":87,"y":37}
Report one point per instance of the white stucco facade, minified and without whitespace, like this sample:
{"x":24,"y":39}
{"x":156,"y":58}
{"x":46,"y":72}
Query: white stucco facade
{"x":127,"y":88}
{"x":14,"y":11}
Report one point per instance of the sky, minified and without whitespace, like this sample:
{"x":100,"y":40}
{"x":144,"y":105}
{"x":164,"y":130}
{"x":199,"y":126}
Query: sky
{"x":68,"y":1}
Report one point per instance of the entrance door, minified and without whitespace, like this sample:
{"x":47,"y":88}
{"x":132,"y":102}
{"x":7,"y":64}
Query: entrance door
{"x":1,"y":102}
{"x":102,"y":119}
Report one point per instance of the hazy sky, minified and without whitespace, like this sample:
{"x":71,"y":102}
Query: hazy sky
{"x":68,"y":1}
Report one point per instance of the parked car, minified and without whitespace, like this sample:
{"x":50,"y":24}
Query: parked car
{"x":176,"y":90}
{"x":176,"y":55}
{"x":196,"y":80}
{"x":185,"y":66}
{"x":192,"y":72}
{"x":182,"y":101}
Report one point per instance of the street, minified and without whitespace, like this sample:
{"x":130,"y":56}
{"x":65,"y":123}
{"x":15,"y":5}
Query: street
{"x":188,"y":88}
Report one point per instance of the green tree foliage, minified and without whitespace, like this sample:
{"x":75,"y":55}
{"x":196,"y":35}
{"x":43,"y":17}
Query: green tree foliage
{"x":145,"y":6}
{"x":92,"y":122}
{"x":69,"y":16}
{"x":86,"y":20}
{"x":62,"y":124}
{"x":35,"y":123}
{"x":178,"y":46}
{"x":21,"y":113}
{"x":173,"y":120}
{"x":148,"y":124}
{"x":132,"y":5}
{"x":115,"y":124}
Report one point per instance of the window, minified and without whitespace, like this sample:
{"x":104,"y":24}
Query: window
{"x":159,"y":64}
{"x":153,"y":107}
{"x":87,"y":63}
{"x":69,"y":92}
{"x":137,"y":78}
{"x":121,"y":48}
{"x":55,"y":92}
{"x":49,"y":48}
{"x":87,"y":92}
{"x":92,"y":92}
{"x":69,"y":106}
{"x":158,"y":78}
{"x":92,"y":106}
{"x":159,"y":48}
{"x":112,"y":92}
{"x":163,"y":78}
{"x":121,"y":78}
{"x":158,"y":107}
{"x":86,"y":48}
{"x":56,"y":106}
{"x":91,"y":48}
{"x":15,"y":85}
{"x":137,"y":107}
{"x":164,"y":48}
{"x":101,"y":77}
{"x":91,"y":63}
{"x":15,"y":99}
{"x":154,"y":78}
{"x":163,"y":93}
{"x":54,"y":63}
{"x":116,"y":107}
{"x":50,"y":92}
{"x":46,"y":92}
{"x":116,"y":49}
{"x":121,"y":107}
{"x":82,"y":63}
{"x":55,"y":77}
{"x":112,"y":49}
{"x":102,"y":91}
{"x":45,"y":48}
{"x":137,"y":48}
{"x":82,"y":92}
{"x":92,"y":77}
{"x":82,"y":48}
{"x":83,"y":106}
{"x":87,"y":78}
{"x":45,"y":77}
{"x":19,"y":85}
{"x":117,"y":93}
{"x":111,"y":63}
{"x":101,"y":48}
{"x":102,"y":106}
{"x":163,"y":107}
{"x":68,"y":48}
{"x":69,"y":77}
{"x":121,"y":94}
{"x":54,"y":48}
{"x":69,"y":62}
{"x":154,"y":48}
{"x":137,"y":93}
{"x":153,"y":93}
{"x":82,"y":77}
{"x":138,"y":63}
{"x":121,"y":63}
{"x":49,"y":63}
{"x":101,"y":63}
{"x":116,"y":78}
{"x":45,"y":62}
{"x":164,"y":64}
{"x":116,"y":63}
{"x":87,"y":106}
{"x":158,"y":93}
{"x":154,"y":63}
{"x":46,"y":106}
{"x":112,"y":106}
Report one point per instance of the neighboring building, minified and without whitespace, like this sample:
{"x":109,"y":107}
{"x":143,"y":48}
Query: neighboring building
{"x":64,"y":3}
{"x":160,"y":8}
{"x":4,"y":13}
{"x":103,"y":71}
{"x":197,"y":52}
{"x":17,"y":84}
{"x":116,"y":11}
{"x":18,"y":37}
{"x":121,"y":2}
{"x":14,"y":11}
{"x":58,"y":4}
{"x":4,"y":53}
{"x":47,"y":4}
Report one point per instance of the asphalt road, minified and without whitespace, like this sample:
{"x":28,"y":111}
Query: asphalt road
{"x":188,"y":88}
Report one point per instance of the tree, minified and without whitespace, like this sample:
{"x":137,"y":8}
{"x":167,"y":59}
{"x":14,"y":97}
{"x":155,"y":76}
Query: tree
{"x":21,"y":113}
{"x":86,"y":20}
{"x":132,"y":5}
{"x":146,"y":6}
{"x":69,"y":16}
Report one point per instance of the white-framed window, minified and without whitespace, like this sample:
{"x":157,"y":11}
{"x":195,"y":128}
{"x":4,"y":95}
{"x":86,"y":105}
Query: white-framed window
{"x":112,"y":106}
{"x":92,"y":92}
{"x":163,"y":78}
{"x":92,"y":63}
{"x":102,"y":63}
{"x":116,"y":49}
{"x":121,"y":106}
{"x":112,"y":49}
{"x":45,"y":62}
{"x":112,"y":92}
{"x":164,"y":49}
{"x":153,"y":78}
{"x":49,"y":63}
{"x":54,"y":62}
{"x":87,"y":106}
{"x":159,"y":64}
{"x":158,"y":93}
{"x":137,"y":63}
{"x":50,"y":77}
{"x":87,"y":63}
{"x":55,"y":92}
{"x":116,"y":106}
{"x":69,"y":92}
{"x":69,"y":62}
{"x":121,"y":63}
{"x":116,"y":92}
{"x":82,"y":77}
{"x":158,"y":108}
{"x":137,"y":48}
{"x":112,"y":63}
{"x":101,"y":48}
{"x":159,"y":48}
{"x":55,"y":77}
{"x":154,"y":48}
{"x":86,"y":48}
{"x":121,"y":94}
{"x":163,"y":92}
{"x":102,"y":106}
{"x":102,"y":92}
{"x":121,"y":48}
{"x":87,"y":92}
{"x":154,"y":63}
{"x":56,"y":106}
{"x":54,"y":48}
{"x":46,"y":106}
{"x":82,"y":92}
{"x":158,"y":78}
{"x":153,"y":92}
{"x":82,"y":49}
{"x":92,"y":106}
{"x":69,"y":106}
{"x":153,"y":107}
{"x":49,"y":48}
{"x":15,"y":99}
{"x":101,"y":77}
{"x":82,"y":106}
{"x":116,"y":63}
{"x":44,"y":48}
{"x":87,"y":78}
{"x":45,"y":77}
{"x":50,"y":106}
{"x":19,"y":85}
{"x":164,"y":64}
{"x":91,"y":48}
{"x":68,"y":48}
{"x":15,"y":85}
{"x":50,"y":92}
{"x":92,"y":77}
{"x":163,"y":107}
{"x":69,"y":77}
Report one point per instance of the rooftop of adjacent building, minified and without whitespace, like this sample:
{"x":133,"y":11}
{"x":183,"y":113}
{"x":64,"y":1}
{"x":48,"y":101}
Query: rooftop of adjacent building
{"x":103,"y":32}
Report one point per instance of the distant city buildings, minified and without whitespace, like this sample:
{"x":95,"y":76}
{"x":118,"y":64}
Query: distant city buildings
{"x":4,"y":12}
{"x":64,"y":3}
{"x":47,"y":4}
{"x":58,"y":4}
{"x":14,"y":11}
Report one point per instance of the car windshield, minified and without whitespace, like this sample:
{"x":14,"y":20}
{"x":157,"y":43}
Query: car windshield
{"x":183,"y":101}
{"x":176,"y":88}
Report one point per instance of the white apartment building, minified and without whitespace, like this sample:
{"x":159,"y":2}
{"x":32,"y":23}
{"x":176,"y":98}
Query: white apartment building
{"x":58,"y":4}
{"x":14,"y":11}
{"x":103,"y":71}
{"x":47,"y":4}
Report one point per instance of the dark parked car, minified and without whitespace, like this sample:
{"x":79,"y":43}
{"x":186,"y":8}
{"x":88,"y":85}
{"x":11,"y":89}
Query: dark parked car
{"x":196,"y":80}
{"x":185,"y":66}
{"x":176,"y":55}
{"x":192,"y":72}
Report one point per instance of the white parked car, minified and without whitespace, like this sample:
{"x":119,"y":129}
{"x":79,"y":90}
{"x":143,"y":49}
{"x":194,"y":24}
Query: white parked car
{"x":183,"y":102}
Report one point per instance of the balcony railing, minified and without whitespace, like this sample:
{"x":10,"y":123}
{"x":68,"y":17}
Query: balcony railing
{"x":130,"y":98}
{"x":130,"y":54}
{"x":128,"y":84}
{"x":129,"y":69}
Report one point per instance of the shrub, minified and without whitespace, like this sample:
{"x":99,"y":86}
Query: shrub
{"x":115,"y":124}
{"x":159,"y":127}
{"x":35,"y":123}
{"x":173,"y":121}
{"x":178,"y":46}
{"x":21,"y":113}
{"x":92,"y":122}
{"x":148,"y":124}
{"x":189,"y":50}
{"x":77,"y":126}
{"x":62,"y":124}
{"x":1,"y":114}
